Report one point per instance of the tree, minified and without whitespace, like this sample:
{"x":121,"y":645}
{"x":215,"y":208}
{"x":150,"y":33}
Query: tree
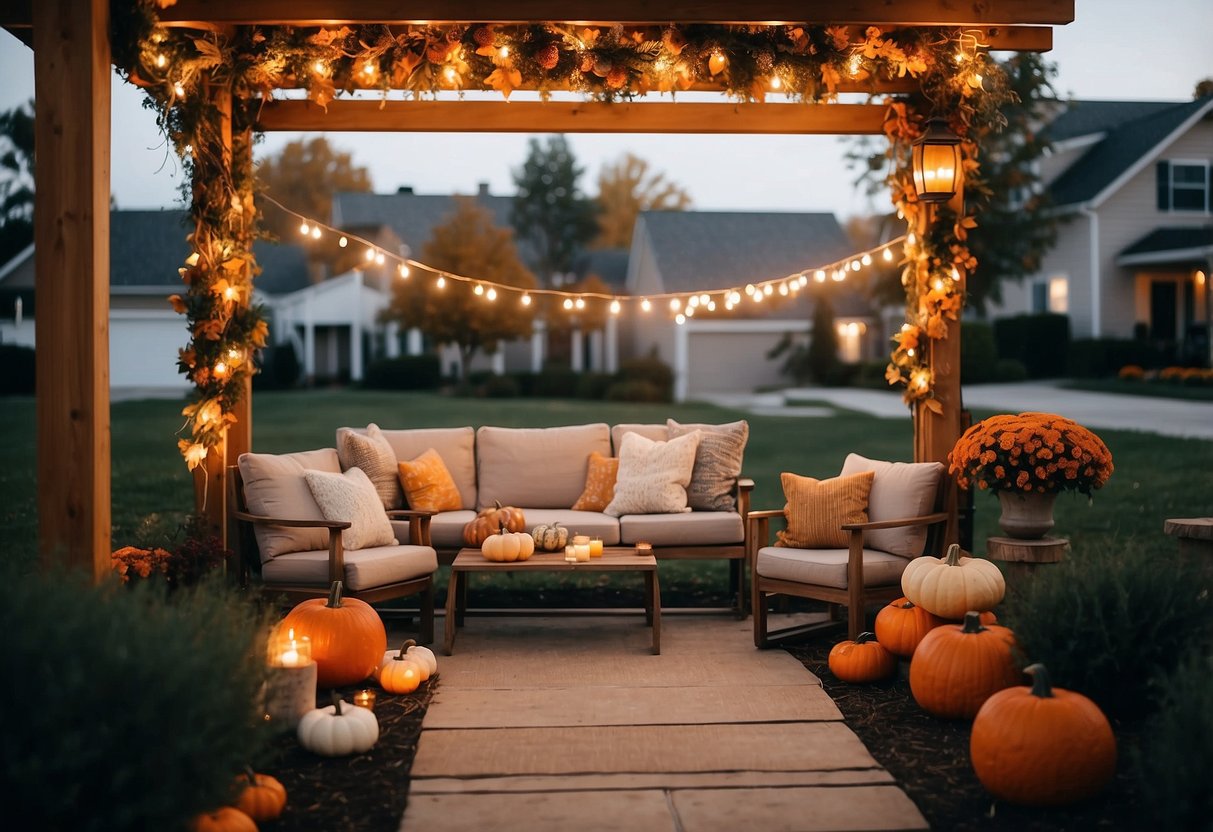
{"x":303,"y":176}
{"x":1204,"y":87}
{"x":467,"y":244}
{"x":624,"y":190}
{"x":16,"y":180}
{"x":1015,"y":223}
{"x":550,"y":213}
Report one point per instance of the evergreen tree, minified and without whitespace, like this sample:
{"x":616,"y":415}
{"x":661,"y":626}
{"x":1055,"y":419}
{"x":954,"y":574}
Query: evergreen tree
{"x":823,"y":341}
{"x":550,"y":213}
{"x":16,"y":180}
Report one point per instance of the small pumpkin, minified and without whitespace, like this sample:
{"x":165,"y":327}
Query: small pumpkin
{"x":334,"y":731}
{"x":957,"y":667}
{"x":952,"y":585}
{"x":489,"y":521}
{"x":861,"y":660}
{"x":348,"y":637}
{"x":550,"y":537}
{"x":902,"y":624}
{"x":400,"y":674}
{"x":1041,"y":745}
{"x":262,"y":797}
{"x":223,"y":819}
{"x":507,"y":547}
{"x":410,"y":650}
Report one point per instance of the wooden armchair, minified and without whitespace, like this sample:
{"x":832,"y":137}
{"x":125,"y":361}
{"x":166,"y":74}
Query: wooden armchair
{"x":856,"y":576}
{"x":371,"y":575}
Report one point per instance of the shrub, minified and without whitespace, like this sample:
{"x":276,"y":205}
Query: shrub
{"x":1131,"y":372}
{"x":18,"y":376}
{"x":1040,"y":341}
{"x":650,"y":369}
{"x":130,"y":708}
{"x":870,"y":375}
{"x":1103,"y":357}
{"x":978,"y":355}
{"x":407,"y":372}
{"x":1010,"y":369}
{"x":636,"y":390}
{"x":1107,"y":622}
{"x":594,"y":385}
{"x":555,"y":383}
{"x":500,"y":387}
{"x":278,"y":368}
{"x":1176,"y":754}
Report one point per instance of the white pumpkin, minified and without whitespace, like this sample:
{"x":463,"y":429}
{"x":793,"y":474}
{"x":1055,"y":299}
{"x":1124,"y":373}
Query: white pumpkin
{"x":410,"y":651}
{"x":422,"y":655}
{"x":334,"y":731}
{"x":952,"y":585}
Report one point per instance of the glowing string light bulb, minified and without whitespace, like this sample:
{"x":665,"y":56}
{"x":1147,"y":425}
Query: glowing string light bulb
{"x":305,"y":229}
{"x":315,"y":232}
{"x":479,"y":289}
{"x":343,"y":242}
{"x":568,"y":303}
{"x":866,"y":260}
{"x":645,"y":305}
{"x":526,"y":299}
{"x":615,"y":307}
{"x":819,"y":276}
{"x":178,"y":90}
{"x":579,"y":303}
{"x":491,"y":294}
{"x":440,"y":282}
{"x":369,"y":255}
{"x":380,"y":259}
{"x":403,"y":271}
{"x":888,"y":255}
{"x":675,"y":304}
{"x":680,"y":319}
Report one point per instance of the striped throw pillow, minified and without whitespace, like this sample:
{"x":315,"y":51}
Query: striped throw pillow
{"x":816,"y":509}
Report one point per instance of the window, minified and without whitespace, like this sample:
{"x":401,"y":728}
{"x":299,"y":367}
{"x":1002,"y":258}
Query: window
{"x":1051,"y":295}
{"x":1183,"y":186}
{"x":1040,"y":297}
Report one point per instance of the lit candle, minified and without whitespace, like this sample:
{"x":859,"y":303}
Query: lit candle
{"x":365,"y":699}
{"x":290,"y":651}
{"x":643,"y":547}
{"x":596,"y":547}
{"x":290,"y":685}
{"x":570,"y":553}
{"x":583,"y":551}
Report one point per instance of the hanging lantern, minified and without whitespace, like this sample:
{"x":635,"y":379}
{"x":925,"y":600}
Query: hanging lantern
{"x":936,"y":160}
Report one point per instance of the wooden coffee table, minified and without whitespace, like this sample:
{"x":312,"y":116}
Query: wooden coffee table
{"x":614,"y":559}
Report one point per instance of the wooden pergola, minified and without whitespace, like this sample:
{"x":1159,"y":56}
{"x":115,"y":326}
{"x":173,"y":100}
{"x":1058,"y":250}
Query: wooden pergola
{"x":73,"y":58}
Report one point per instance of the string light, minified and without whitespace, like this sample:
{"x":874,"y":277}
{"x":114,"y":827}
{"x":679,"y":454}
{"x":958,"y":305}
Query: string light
{"x":526,"y":299}
{"x":380,"y":259}
{"x":568,"y":303}
{"x":491,"y":294}
{"x":440,"y":282}
{"x":315,"y":232}
{"x":343,"y":242}
{"x":370,"y":254}
{"x":645,"y":306}
{"x":404,"y":271}
{"x":178,"y":90}
{"x":479,"y":289}
{"x":615,"y":307}
{"x":161,"y":60}
{"x":888,"y":255}
{"x":579,"y":303}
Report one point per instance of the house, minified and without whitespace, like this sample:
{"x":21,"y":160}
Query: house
{"x":685,"y":251}
{"x":1133,"y":181}
{"x":146,"y":250}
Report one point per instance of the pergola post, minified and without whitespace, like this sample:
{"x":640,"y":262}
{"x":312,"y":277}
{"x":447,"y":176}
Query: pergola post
{"x":71,"y":261}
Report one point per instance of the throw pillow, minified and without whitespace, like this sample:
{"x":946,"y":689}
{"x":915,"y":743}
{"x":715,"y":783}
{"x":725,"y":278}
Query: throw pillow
{"x":816,"y":509}
{"x":653,"y":476}
{"x":717,"y":463}
{"x":372,"y":453}
{"x":351,"y":497}
{"x":428,"y":484}
{"x":599,"y":483}
{"x":900,"y":490}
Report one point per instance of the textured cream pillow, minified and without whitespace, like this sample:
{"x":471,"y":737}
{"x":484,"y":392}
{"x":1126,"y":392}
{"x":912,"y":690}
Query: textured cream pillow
{"x":372,"y":453}
{"x":351,"y":497}
{"x":816,"y":509}
{"x":717,"y":463}
{"x":653,"y":476}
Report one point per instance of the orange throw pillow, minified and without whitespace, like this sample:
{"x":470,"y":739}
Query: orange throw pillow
{"x":599,"y":483}
{"x":428,"y":484}
{"x":816,"y":509}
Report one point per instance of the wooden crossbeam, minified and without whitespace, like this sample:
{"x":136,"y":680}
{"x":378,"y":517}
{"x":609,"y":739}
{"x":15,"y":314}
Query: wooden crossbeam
{"x":568,"y":117}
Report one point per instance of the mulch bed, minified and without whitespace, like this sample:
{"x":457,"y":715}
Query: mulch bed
{"x":928,"y":757}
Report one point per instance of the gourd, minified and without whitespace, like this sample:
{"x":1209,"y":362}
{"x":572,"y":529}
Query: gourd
{"x":423,"y":657}
{"x":262,"y":797}
{"x":400,"y":674}
{"x":956,"y":667}
{"x":334,"y":731}
{"x":861,"y":660}
{"x":1041,"y":745}
{"x":902,"y":624}
{"x":952,"y":585}
{"x":507,"y":547}
{"x":550,"y":537}
{"x":348,"y":637}
{"x":223,"y":819}
{"x":490,"y":520}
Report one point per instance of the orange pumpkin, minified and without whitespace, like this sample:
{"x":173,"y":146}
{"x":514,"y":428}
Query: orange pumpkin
{"x":262,"y":797}
{"x":507,"y":547}
{"x":1041,"y":745}
{"x":401,"y":674}
{"x":902,"y":624}
{"x":489,"y":521}
{"x":861,"y":660}
{"x":348,"y":638}
{"x":224,"y":819}
{"x":958,"y":667}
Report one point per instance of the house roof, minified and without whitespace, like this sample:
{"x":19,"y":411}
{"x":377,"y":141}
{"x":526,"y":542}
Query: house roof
{"x":1130,"y":129}
{"x":1170,"y":245}
{"x":411,"y":216}
{"x":609,"y":264}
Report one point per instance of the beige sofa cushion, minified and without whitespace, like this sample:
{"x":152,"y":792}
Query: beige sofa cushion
{"x":653,"y":476}
{"x":536,"y":467}
{"x":369,"y":450}
{"x":899,"y":490}
{"x":693,"y":528}
{"x":592,"y":523}
{"x":446,"y":528}
{"x":827,"y":567}
{"x":658,"y":433}
{"x":351,"y":497}
{"x":274,"y":487}
{"x":717,"y":463}
{"x":456,"y":446}
{"x":364,"y":568}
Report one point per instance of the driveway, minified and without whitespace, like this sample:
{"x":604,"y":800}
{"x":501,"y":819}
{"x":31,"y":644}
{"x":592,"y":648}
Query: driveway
{"x":1169,"y":417}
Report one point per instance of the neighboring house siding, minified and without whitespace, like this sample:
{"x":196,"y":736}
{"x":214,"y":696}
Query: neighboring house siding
{"x":724,"y":357}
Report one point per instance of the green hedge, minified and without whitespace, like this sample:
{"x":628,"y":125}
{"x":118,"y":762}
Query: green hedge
{"x":408,"y":372}
{"x":1040,"y":341}
{"x":1103,"y":357}
{"x":978,"y":354}
{"x":18,"y":375}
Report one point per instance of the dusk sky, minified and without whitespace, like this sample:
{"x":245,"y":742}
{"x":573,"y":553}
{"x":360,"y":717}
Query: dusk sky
{"x":1109,"y":52}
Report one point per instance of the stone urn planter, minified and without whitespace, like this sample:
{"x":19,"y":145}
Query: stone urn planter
{"x":1026,"y":515}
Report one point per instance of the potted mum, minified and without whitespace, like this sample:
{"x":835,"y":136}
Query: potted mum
{"x":1027,"y":460}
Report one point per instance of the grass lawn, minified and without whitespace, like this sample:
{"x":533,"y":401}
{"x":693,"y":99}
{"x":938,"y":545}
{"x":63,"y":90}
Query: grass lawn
{"x":1156,"y":477}
{"x":1150,"y":389}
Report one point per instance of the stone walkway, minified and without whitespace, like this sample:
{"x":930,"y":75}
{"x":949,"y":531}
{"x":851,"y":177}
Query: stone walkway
{"x":570,"y":723}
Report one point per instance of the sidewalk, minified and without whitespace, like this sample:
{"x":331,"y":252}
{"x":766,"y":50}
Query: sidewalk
{"x":1107,"y":411}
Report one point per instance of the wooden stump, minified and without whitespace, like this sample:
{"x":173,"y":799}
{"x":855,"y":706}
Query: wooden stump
{"x":1021,"y":558}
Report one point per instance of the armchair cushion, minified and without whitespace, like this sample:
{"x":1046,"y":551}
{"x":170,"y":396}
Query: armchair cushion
{"x":274,"y":487}
{"x":428,"y":484}
{"x":351,"y":497}
{"x":827,"y":567}
{"x":717,"y":463}
{"x":364,"y":568}
{"x":372,"y":453}
{"x":653,"y":476}
{"x":899,"y":490}
{"x":817,"y":509}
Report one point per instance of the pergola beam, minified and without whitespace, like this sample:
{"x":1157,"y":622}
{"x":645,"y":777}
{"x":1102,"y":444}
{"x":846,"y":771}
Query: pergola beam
{"x":579,"y":117}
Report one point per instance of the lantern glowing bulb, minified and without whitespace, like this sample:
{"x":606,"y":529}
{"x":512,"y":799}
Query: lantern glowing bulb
{"x":935,"y":157}
{"x":343,"y":242}
{"x":526,"y":300}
